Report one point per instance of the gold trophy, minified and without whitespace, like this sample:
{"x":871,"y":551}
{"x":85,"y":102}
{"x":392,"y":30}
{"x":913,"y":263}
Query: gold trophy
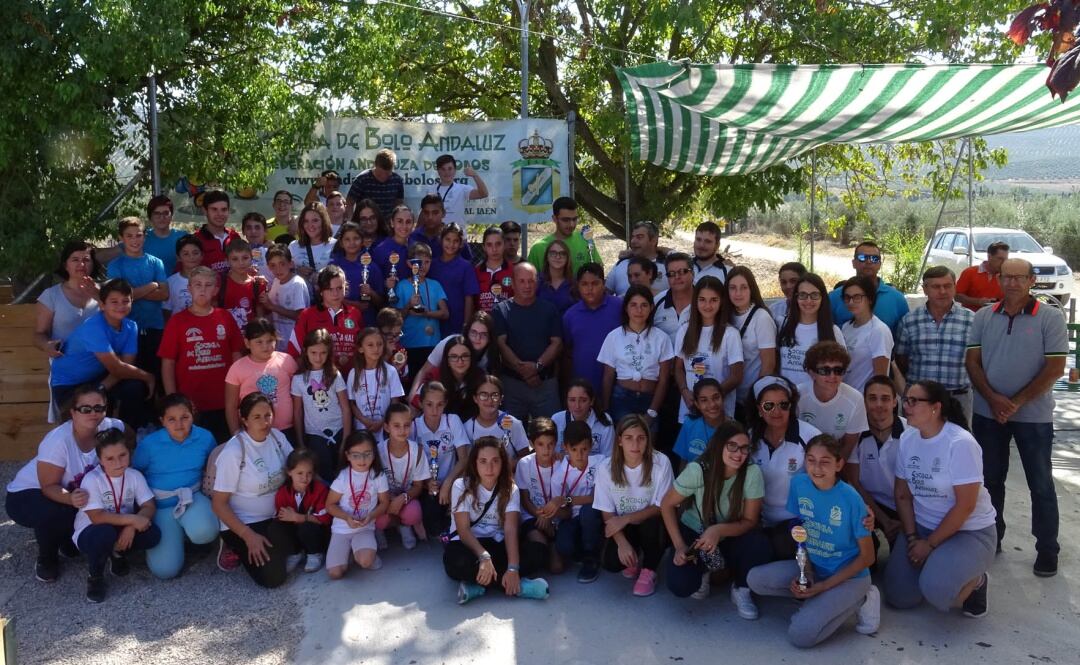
{"x":798,"y":534}
{"x":365,"y":260}
{"x":391,"y":294}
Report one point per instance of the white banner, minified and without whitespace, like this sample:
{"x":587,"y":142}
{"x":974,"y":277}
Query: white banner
{"x":524,"y":163}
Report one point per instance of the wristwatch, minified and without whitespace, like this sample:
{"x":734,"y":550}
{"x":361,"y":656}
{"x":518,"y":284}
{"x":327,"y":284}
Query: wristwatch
{"x":569,"y":501}
{"x":651,"y":413}
{"x":539,"y":367}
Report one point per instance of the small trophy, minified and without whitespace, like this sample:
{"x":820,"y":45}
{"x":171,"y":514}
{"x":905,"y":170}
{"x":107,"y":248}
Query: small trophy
{"x":496,"y":291}
{"x":506,"y":424}
{"x":798,"y":534}
{"x":699,"y":365}
{"x":365,"y":260}
{"x":587,"y":234}
{"x":391,"y":294}
{"x":434,"y":463}
{"x":414,"y":265}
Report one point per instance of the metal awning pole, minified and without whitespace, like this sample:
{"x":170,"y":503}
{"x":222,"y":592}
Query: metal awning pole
{"x":971,"y":200}
{"x":941,"y":211}
{"x":813,"y":203}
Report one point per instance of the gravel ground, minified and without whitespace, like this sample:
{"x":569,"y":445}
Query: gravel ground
{"x":204,"y":616}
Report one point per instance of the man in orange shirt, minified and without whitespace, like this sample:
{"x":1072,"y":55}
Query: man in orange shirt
{"x":979,"y":285}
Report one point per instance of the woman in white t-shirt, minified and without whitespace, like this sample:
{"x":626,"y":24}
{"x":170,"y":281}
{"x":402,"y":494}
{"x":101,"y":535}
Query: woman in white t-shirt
{"x":637,"y":360}
{"x":629,"y":489}
{"x":483,"y":551}
{"x":704,"y":351}
{"x":249,"y":470}
{"x":868,"y":339}
{"x":809,"y":321}
{"x":745,"y":311}
{"x":581,"y":405}
{"x":949,"y":531}
{"x":311,"y":252}
{"x":45,"y":493}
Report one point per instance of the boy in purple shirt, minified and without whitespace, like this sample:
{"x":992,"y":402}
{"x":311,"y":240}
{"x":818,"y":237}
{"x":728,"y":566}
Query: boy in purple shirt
{"x":458,"y":279}
{"x":587,"y":323}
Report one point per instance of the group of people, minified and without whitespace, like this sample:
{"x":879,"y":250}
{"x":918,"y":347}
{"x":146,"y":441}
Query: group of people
{"x":366,"y":380}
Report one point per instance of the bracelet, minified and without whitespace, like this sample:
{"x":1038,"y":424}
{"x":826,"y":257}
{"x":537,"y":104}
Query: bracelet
{"x":484,"y":556}
{"x":513,"y":568}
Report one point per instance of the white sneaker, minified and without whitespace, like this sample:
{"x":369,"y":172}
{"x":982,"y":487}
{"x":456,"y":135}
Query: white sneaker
{"x":703,"y":591}
{"x":408,"y":537}
{"x":313,"y":563}
{"x":744,"y":602}
{"x":293,"y":562}
{"x":377,"y":565}
{"x":380,"y":539}
{"x":869,"y":616}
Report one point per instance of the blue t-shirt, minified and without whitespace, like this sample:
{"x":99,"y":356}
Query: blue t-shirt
{"x":584,"y":330}
{"x":693,"y":439}
{"x":354,"y":277}
{"x":139,"y":272}
{"x":169,"y":465}
{"x":891,"y":306}
{"x":163,"y":248}
{"x":458,"y":279}
{"x":414,"y":333}
{"x":561,"y":297}
{"x":436,"y":246}
{"x":79,"y":365}
{"x":833,"y":522}
{"x":381,"y":252}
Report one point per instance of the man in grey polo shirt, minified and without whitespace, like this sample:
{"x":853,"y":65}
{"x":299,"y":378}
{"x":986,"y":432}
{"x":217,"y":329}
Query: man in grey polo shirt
{"x":1016,"y":351}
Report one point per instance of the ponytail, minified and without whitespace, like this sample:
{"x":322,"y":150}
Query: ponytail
{"x":951,"y":410}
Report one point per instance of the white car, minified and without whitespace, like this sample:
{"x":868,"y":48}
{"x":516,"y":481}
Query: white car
{"x":952,"y":247}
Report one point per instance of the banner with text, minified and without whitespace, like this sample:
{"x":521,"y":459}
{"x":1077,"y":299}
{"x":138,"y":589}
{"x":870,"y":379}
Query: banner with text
{"x":524,"y":163}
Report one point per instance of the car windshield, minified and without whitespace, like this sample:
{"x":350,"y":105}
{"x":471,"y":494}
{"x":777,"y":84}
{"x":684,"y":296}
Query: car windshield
{"x":1018,"y":241}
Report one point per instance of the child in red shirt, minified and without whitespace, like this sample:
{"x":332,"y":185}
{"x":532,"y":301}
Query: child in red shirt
{"x":242,"y":285}
{"x":343,"y":321}
{"x":301,"y":507}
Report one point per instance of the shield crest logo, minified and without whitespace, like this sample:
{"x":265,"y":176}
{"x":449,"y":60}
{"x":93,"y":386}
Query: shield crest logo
{"x":536,"y":175}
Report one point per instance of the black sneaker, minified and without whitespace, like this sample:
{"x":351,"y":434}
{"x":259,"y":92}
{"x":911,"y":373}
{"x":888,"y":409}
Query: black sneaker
{"x":119,"y":565}
{"x":1046,"y":564}
{"x":68,"y":550}
{"x":95,"y":589}
{"x":589,"y":572}
{"x":47,"y":570}
{"x":977,"y":604}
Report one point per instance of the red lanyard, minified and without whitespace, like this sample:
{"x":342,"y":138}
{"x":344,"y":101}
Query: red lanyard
{"x":118,"y":501}
{"x":570,"y":492}
{"x":540,"y":476}
{"x":390,"y":466}
{"x":356,"y":499}
{"x":372,"y":404}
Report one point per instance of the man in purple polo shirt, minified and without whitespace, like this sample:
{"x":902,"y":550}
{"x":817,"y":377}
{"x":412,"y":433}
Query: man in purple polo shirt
{"x":587,"y":323}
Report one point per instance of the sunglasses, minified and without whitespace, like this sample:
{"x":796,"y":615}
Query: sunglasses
{"x":826,"y":371}
{"x":769,"y":406}
{"x":86,"y":409}
{"x":671,"y":274}
{"x":864,"y":258}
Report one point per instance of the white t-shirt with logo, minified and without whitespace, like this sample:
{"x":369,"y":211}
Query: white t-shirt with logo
{"x":570,"y":481}
{"x":445,"y":441}
{"x":322,"y":410}
{"x":252,"y":487}
{"x":102,"y":496}
{"x":489,"y":526}
{"x":59,"y":449}
{"x":402,"y":472}
{"x":293,"y":294}
{"x":320,"y":252}
{"x":179,"y":294}
{"x":514,"y":440}
{"x":367,"y":487}
{"x":636,"y":356}
{"x":933,"y":467}
{"x":871,"y":340}
{"x":373,"y":396}
{"x":777,"y":468}
{"x":704,"y":364}
{"x":877,"y":466}
{"x":843,"y":414}
{"x":454,"y":198}
{"x":760,"y":336}
{"x":538,"y":481}
{"x":603,"y":436}
{"x":791,"y":357}
{"x":633,"y":496}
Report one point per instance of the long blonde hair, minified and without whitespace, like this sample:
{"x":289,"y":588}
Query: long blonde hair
{"x":618,"y":474}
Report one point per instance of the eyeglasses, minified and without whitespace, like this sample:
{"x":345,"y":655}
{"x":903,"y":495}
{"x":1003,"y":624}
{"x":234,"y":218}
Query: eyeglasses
{"x":733,"y":447}
{"x":360,"y":456}
{"x":458,"y":357}
{"x":912,"y":401}
{"x":87,"y":409}
{"x":392,"y":334}
{"x":769,"y":406}
{"x":830,"y":369}
{"x":558,"y":252}
{"x":864,"y":258}
{"x":479,"y":334}
{"x":489,"y":397}
{"x":672,"y":274}
{"x":855,"y":297}
{"x":802,"y":295}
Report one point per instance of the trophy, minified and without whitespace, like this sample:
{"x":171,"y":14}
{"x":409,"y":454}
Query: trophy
{"x":414,"y":265}
{"x":391,"y":294}
{"x":434,"y":463}
{"x":587,"y":234}
{"x":365,"y":260}
{"x":798,"y":534}
{"x":506,"y":423}
{"x":496,"y":291}
{"x":699,"y":365}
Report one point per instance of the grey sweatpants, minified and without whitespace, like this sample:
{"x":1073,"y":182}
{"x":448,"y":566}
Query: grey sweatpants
{"x":820,"y":616}
{"x":952,"y":564}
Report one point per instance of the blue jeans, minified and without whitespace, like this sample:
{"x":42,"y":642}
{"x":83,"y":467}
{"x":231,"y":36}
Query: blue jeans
{"x":52,"y":522}
{"x":198,"y":523}
{"x":624,"y":402}
{"x":1034,"y":442}
{"x":96,"y":542}
{"x":741,"y":555}
{"x":581,"y":536}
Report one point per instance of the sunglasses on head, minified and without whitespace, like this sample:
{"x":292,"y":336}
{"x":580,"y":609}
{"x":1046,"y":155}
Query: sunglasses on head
{"x":872,"y":258}
{"x":827,"y":370}
{"x":769,"y":406}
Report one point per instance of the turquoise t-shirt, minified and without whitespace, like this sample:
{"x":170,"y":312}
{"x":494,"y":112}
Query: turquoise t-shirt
{"x":833,"y":521}
{"x":169,"y":465}
{"x":693,"y":439}
{"x":163,"y":248}
{"x":414,"y":334}
{"x":692,"y":482}
{"x":140,"y":271}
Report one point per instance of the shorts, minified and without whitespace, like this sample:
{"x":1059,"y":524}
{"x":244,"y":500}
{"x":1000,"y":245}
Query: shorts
{"x":342,"y":545}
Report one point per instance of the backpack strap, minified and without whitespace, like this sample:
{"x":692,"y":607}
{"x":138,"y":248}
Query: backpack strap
{"x":749,"y":318}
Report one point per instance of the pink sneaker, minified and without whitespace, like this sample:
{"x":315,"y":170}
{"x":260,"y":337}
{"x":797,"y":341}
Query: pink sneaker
{"x":227,"y":560}
{"x":646,"y":583}
{"x":631,"y":573}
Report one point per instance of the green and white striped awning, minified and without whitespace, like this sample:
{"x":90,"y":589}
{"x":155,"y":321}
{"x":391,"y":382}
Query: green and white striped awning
{"x":735,"y":119}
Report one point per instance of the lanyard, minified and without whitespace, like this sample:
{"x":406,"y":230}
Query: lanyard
{"x":570,"y":492}
{"x":442,"y":195}
{"x":540,"y":477}
{"x":118,"y":501}
{"x":408,"y":466}
{"x":356,"y":499}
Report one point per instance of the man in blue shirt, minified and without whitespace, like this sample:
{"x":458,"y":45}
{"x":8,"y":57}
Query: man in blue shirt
{"x":891,"y":305}
{"x":586,"y":325}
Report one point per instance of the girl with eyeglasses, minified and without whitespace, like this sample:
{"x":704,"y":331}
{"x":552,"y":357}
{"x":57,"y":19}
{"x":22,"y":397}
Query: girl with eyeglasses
{"x":949,"y":533}
{"x":778,"y":440}
{"x":556,"y":283}
{"x":491,"y":420}
{"x":284,"y":226}
{"x":479,"y":336}
{"x":45,"y":494}
{"x":868,"y":339}
{"x":827,"y":402}
{"x":721,"y":526}
{"x":809,"y":321}
{"x":358,"y":497}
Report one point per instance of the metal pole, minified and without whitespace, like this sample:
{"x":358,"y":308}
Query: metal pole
{"x":971,"y":200}
{"x":523,"y":10}
{"x":155,"y":166}
{"x":124,"y":191}
{"x":813,"y":203}
{"x":626,"y":195}
{"x":941,"y":211}
{"x":571,"y":122}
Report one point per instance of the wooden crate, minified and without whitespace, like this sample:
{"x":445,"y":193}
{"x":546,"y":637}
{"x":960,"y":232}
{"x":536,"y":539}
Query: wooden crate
{"x":24,"y":385}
